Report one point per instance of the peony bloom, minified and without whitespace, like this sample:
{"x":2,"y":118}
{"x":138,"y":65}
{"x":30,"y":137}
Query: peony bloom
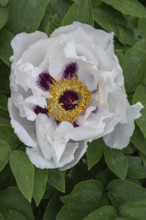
{"x":67,"y":90}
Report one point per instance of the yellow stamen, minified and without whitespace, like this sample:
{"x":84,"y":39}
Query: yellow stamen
{"x":57,"y":89}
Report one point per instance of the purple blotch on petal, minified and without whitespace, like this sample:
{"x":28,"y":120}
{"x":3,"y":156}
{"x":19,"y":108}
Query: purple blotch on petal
{"x":70,"y":71}
{"x":38,"y":109}
{"x":95,"y":110}
{"x":75,"y":124}
{"x":45,"y":80}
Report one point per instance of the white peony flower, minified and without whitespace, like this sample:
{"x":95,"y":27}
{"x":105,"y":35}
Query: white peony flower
{"x":67,"y":90}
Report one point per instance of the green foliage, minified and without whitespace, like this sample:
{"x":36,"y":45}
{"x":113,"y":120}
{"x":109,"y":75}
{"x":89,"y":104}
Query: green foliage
{"x":28,"y":193}
{"x":112,"y":21}
{"x":5,"y":48}
{"x":40,"y":180}
{"x":129,"y":7}
{"x":12,"y":198}
{"x":80,"y":11}
{"x":3,"y":16}
{"x":140,"y":96}
{"x":133,"y":210}
{"x":94,"y":152}
{"x":134,"y":65}
{"x":23,"y":171}
{"x":124,"y":191}
{"x":57,"y":179}
{"x":83,"y":199}
{"x":30,"y":17}
{"x":105,"y":212}
{"x":4,"y":154}
{"x":116,"y":161}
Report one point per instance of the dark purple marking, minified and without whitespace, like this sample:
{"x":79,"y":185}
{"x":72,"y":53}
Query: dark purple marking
{"x":75,"y":124}
{"x":95,"y":110}
{"x":37,"y":109}
{"x":69,"y":100}
{"x":70,"y":71}
{"x":45,"y":80}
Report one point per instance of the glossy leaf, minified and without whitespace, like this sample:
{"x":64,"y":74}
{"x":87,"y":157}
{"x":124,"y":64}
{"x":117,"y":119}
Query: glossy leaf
{"x":133,"y":210}
{"x":25,"y":15}
{"x":136,"y":169}
{"x":138,"y":140}
{"x":83,"y":199}
{"x":124,"y":191}
{"x":112,"y":21}
{"x":140,"y":96}
{"x":40,"y":180}
{"x":57,"y":179}
{"x":94,"y":152}
{"x":4,"y":154}
{"x":80,"y":11}
{"x":23,"y":171}
{"x":53,"y":207}
{"x":1,"y":217}
{"x":15,"y":200}
{"x":105,"y":212}
{"x":10,"y":214}
{"x":3,"y":16}
{"x":116,"y":161}
{"x":134,"y":65}
{"x":7,"y":135}
{"x":5,"y":47}
{"x":3,"y":2}
{"x":129,"y":7}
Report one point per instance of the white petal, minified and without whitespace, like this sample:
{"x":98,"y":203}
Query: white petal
{"x":45,"y":128}
{"x":24,"y":129}
{"x":77,"y":155}
{"x":38,"y":160}
{"x":22,"y":41}
{"x":120,"y":137}
{"x":68,"y":154}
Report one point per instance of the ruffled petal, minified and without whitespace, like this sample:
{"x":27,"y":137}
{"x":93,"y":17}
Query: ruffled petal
{"x":22,"y":41}
{"x":120,"y":137}
{"x":24,"y":129}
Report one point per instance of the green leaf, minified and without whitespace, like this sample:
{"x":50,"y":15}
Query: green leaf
{"x":54,"y":15}
{"x":3,"y":2}
{"x":23,"y":171}
{"x":5,"y":47}
{"x":53,"y":207}
{"x":83,"y":199}
{"x":4,"y":83}
{"x":103,"y":213}
{"x":129,"y":7}
{"x":139,"y":96}
{"x":133,"y":210}
{"x":57,"y":179}
{"x":7,"y":135}
{"x":4,"y":154}
{"x":112,"y":21}
{"x":116,"y":161}
{"x":1,"y":217}
{"x":10,"y":214}
{"x":80,"y":11}
{"x":4,"y":13}
{"x":25,"y":15}
{"x":136,"y":169}
{"x":120,"y":191}
{"x":138,"y":140}
{"x":40,"y":180}
{"x":134,"y":65}
{"x":94,"y":152}
{"x":15,"y":200}
{"x":141,"y":26}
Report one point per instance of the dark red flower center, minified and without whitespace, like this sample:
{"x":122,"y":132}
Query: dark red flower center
{"x":69,"y":100}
